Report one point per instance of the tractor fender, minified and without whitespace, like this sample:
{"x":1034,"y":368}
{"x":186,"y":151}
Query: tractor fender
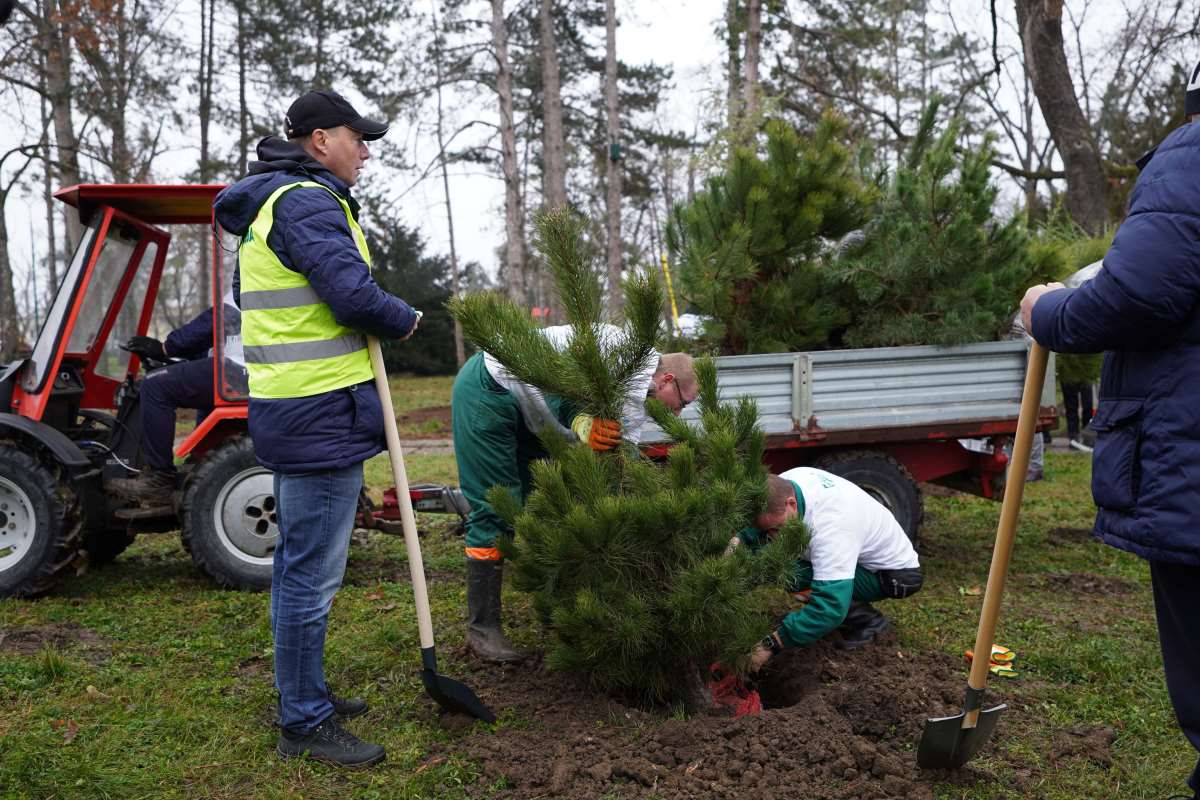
{"x":65,"y":451}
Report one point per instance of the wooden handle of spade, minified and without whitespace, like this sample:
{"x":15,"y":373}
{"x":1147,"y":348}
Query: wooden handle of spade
{"x":1035,"y":376}
{"x":416,"y":565}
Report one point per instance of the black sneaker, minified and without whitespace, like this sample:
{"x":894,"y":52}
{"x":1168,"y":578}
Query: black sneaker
{"x":344,"y":708}
{"x":331,"y":743}
{"x":862,"y":625}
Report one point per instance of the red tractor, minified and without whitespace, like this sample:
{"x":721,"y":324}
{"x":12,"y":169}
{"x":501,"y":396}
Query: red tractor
{"x":70,"y":424}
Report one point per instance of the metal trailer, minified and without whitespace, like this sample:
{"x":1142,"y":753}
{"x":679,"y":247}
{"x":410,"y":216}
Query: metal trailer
{"x":887,"y":418}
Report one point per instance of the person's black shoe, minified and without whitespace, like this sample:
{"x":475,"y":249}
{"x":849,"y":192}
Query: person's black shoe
{"x":347,"y":707}
{"x":862,"y":625}
{"x":331,"y":743}
{"x":150,"y":488}
{"x":344,"y":708}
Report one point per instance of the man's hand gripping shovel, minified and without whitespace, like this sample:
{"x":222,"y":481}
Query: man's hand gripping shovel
{"x":446,"y":692}
{"x":951,"y":741}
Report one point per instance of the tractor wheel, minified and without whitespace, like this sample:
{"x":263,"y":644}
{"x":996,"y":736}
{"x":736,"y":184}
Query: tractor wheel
{"x":39,"y":524}
{"x":886,"y":480}
{"x":229,"y":516}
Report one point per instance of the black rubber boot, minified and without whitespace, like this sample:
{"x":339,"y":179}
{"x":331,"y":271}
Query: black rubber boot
{"x":861,"y":626}
{"x":151,"y":488}
{"x":484,"y":637}
{"x":331,"y":743}
{"x":344,"y":708}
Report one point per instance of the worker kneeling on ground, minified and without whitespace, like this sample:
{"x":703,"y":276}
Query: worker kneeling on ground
{"x":496,"y":420}
{"x":857,"y":554}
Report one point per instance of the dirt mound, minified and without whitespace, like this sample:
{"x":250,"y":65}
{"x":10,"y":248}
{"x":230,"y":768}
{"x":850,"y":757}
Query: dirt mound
{"x":33,"y":639}
{"x":1091,"y":742}
{"x":1070,"y":535}
{"x":427,"y":421}
{"x":1087,"y":583}
{"x":838,"y":725}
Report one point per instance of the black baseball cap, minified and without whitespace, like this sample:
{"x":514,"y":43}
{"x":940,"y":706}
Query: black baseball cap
{"x":328,"y":110}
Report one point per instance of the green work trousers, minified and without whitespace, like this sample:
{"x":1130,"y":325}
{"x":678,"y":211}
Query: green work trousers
{"x":493,"y":447}
{"x":867,"y":588}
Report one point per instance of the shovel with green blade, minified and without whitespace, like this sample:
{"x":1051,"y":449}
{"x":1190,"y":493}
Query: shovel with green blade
{"x":446,"y":692}
{"x":949,"y":742}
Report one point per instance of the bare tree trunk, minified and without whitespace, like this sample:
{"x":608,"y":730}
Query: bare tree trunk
{"x":554,"y":146}
{"x":319,"y":78}
{"x":48,"y":187}
{"x":10,"y":322}
{"x":243,"y":111}
{"x":122,"y":155}
{"x":205,"y":85}
{"x":753,"y":47}
{"x":514,"y":215}
{"x":59,"y":93}
{"x":10,"y":329}
{"x":733,"y":68}
{"x":614,"y":158}
{"x":460,"y":351}
{"x":1040,"y":24}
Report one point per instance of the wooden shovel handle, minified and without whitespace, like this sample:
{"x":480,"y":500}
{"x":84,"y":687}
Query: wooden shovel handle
{"x":416,"y":566}
{"x":1035,"y":377}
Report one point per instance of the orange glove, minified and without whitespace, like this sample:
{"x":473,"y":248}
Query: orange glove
{"x":599,"y":434}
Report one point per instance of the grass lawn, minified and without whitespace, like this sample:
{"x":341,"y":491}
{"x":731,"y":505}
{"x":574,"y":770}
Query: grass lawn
{"x":148,"y":682}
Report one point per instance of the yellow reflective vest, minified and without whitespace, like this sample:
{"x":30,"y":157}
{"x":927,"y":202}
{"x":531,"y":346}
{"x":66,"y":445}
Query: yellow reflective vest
{"x":293,"y":345}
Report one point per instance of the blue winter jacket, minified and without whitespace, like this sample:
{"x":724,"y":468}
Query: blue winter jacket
{"x":1142,"y":308}
{"x":193,"y":339}
{"x":311,"y":236}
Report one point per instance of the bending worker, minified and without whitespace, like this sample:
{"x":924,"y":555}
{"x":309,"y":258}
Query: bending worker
{"x":496,"y":419}
{"x":857,"y":554}
{"x":181,"y":384}
{"x":307,"y":299}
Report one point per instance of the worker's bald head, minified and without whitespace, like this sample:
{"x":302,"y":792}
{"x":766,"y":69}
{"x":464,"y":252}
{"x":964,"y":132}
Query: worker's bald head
{"x":781,"y":504}
{"x":674,"y":381}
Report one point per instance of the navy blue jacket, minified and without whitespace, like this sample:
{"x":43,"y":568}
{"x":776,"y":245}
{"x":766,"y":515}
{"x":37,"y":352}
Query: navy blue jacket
{"x":311,"y":236}
{"x":193,"y":339}
{"x":1142,"y":308}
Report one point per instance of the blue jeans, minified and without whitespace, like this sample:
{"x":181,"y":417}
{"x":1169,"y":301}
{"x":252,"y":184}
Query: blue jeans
{"x":316,"y":516}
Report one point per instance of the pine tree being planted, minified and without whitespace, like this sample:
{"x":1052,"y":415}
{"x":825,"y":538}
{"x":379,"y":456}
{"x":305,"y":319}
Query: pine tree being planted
{"x":626,"y":557}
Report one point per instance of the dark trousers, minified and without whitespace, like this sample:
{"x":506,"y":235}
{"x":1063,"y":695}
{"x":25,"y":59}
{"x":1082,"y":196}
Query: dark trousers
{"x":187,"y":384}
{"x":1077,"y":397}
{"x":1176,"y":600}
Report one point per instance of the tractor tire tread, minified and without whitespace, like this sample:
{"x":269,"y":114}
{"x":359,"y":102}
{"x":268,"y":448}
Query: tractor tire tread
{"x":64,"y":513}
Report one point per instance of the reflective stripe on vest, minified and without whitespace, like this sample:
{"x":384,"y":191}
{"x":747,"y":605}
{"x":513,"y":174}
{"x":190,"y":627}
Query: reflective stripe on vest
{"x":294,"y":346}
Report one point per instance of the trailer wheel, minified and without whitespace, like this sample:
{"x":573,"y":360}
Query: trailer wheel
{"x":228,"y":517}
{"x":886,"y":480}
{"x":39,"y":524}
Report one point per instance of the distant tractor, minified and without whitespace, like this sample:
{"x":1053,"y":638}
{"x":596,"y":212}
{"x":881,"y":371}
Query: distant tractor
{"x":70,"y":423}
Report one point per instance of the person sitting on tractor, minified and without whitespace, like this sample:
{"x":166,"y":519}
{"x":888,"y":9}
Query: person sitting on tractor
{"x":185,"y":383}
{"x":857,"y":553}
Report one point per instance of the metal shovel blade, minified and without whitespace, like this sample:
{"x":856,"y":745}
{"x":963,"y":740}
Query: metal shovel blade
{"x":946,"y":744}
{"x":449,"y":693}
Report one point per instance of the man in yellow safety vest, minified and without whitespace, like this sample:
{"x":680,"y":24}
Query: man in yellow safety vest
{"x":307,"y":300}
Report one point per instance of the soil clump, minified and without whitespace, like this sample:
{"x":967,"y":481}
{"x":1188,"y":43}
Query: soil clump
{"x":431,"y":422}
{"x":33,"y":639}
{"x":1084,"y":583}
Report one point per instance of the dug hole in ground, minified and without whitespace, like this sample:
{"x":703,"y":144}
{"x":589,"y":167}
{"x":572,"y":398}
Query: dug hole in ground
{"x":836,"y":724}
